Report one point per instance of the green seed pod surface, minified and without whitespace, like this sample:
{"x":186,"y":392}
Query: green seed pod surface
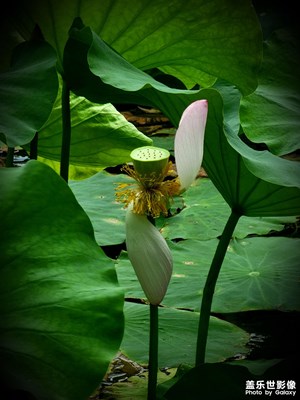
{"x":150,"y":161}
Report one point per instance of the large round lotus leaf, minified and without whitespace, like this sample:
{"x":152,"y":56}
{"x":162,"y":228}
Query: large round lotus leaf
{"x":206,"y":214}
{"x":97,"y":196}
{"x":60,"y":304}
{"x":257,"y":273}
{"x":203,"y":217}
{"x":177,"y":336}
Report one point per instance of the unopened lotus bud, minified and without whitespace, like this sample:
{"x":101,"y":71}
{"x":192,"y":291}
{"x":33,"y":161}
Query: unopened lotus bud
{"x":189,"y":141}
{"x":150,"y":256}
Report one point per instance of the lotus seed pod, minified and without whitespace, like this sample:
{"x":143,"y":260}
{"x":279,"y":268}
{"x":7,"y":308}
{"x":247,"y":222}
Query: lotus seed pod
{"x":149,"y":161}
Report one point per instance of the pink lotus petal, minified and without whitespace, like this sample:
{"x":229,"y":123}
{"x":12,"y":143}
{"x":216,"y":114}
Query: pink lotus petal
{"x":150,"y":256}
{"x":189,"y":140}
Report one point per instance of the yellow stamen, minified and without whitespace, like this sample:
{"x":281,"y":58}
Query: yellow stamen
{"x":151,"y":195}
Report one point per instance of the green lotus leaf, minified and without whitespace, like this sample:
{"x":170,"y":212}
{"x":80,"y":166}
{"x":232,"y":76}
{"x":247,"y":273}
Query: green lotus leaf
{"x":61,"y":306}
{"x":267,"y":166}
{"x":262,"y":163}
{"x":97,"y":196}
{"x":261,"y":273}
{"x":27,"y":91}
{"x":227,"y":161}
{"x":155,"y":35}
{"x":101,"y":136}
{"x":102,"y":75}
{"x":258,"y":273}
{"x":270,"y":115}
{"x":177,"y":346}
{"x":205,"y":214}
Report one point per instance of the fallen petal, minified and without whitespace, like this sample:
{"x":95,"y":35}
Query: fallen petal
{"x":150,"y":256}
{"x":189,"y":141}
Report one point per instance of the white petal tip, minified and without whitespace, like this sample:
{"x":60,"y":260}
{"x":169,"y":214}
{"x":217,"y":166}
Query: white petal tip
{"x":189,"y":141}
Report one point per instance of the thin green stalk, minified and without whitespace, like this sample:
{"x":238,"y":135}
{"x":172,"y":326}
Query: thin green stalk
{"x":210,"y":284}
{"x":34,"y":147}
{"x":10,"y":157}
{"x":66,"y":132}
{"x":153,"y":352}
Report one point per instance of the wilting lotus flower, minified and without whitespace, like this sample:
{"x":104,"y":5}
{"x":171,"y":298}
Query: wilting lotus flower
{"x":149,"y":254}
{"x":147,"y":249}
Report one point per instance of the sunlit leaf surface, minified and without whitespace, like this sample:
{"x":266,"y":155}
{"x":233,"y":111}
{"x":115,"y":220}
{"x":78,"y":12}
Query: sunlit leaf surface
{"x":258,"y":273}
{"x":101,"y":136}
{"x":159,"y":35}
{"x":176,"y":345}
{"x":203,"y":216}
{"x":97,"y":196}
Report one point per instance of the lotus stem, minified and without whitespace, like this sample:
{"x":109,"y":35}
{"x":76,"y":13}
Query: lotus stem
{"x":34,"y":147}
{"x":153,"y":352}
{"x":66,"y":132}
{"x":10,"y":157}
{"x":210,"y":284}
